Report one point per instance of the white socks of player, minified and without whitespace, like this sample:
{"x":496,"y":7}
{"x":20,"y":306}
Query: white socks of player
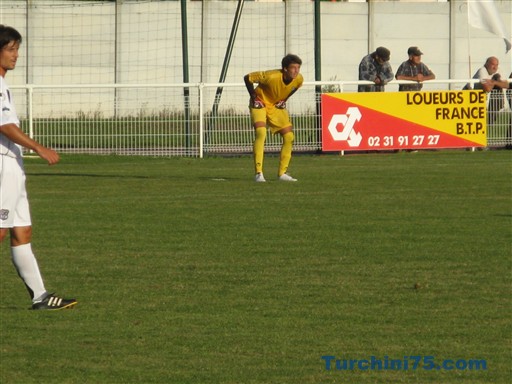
{"x":26,"y":264}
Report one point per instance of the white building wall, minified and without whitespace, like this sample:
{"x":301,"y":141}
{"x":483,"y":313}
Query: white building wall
{"x":83,"y":42}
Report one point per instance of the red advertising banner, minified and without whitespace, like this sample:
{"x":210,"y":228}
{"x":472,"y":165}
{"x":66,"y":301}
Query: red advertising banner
{"x":403,"y":120}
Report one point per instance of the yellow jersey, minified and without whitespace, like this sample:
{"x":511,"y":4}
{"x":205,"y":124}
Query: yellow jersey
{"x":271,"y":87}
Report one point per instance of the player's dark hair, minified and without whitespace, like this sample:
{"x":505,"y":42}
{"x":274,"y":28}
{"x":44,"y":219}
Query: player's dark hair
{"x":290,"y":59}
{"x":7,"y":35}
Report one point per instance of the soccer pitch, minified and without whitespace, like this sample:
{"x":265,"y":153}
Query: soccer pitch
{"x":186,"y":271}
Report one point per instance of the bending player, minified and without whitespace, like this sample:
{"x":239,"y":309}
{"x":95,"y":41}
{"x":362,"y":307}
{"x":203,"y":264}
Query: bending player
{"x":268,"y":107}
{"x":14,"y":207}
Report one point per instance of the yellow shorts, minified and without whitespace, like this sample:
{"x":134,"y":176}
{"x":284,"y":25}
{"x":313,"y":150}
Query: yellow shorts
{"x":274,"y":118}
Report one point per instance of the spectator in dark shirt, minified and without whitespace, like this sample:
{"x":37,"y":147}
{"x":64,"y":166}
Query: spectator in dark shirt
{"x":414,"y":70}
{"x":375,"y":67}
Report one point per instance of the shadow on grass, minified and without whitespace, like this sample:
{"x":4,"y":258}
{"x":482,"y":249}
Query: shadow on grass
{"x":88,"y":175}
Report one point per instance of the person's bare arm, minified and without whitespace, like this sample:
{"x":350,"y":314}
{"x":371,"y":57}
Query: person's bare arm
{"x":403,"y":77}
{"x":14,"y":133}
{"x":428,"y":77}
{"x":249,"y":86}
{"x":496,"y":81}
{"x":255,"y":101}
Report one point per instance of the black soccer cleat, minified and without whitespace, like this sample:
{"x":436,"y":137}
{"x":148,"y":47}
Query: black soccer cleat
{"x":54,"y":303}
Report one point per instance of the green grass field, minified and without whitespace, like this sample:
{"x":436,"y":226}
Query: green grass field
{"x":188,"y":272}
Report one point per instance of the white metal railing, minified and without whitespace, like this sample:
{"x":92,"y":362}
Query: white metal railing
{"x":189,"y":119}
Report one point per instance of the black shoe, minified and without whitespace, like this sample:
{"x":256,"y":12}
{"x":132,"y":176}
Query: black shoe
{"x":54,"y":303}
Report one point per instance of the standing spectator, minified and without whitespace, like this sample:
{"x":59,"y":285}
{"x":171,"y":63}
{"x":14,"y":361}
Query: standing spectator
{"x":375,"y":67}
{"x":267,"y":106}
{"x":414,"y":70}
{"x":14,"y":208}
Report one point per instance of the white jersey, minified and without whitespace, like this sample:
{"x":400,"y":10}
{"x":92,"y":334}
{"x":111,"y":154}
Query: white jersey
{"x":8,"y":115}
{"x":483,"y":74}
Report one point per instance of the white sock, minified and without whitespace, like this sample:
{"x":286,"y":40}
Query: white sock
{"x":26,"y":264}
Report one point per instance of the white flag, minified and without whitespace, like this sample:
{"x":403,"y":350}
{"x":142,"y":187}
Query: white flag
{"x":483,"y":14}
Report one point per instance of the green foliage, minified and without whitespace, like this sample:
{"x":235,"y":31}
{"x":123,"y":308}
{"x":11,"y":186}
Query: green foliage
{"x":331,"y":88}
{"x":187,"y":271}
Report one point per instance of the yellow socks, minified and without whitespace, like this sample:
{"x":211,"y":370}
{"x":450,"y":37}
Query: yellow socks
{"x":258,"y":148}
{"x":286,"y":153}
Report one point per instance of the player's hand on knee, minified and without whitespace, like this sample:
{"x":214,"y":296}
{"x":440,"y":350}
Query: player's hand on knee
{"x":281,"y":104}
{"x":257,"y":103}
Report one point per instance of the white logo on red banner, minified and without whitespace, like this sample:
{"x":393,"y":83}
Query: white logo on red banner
{"x":348,"y":121}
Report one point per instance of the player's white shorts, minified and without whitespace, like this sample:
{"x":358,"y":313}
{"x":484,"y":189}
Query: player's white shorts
{"x":14,"y":208}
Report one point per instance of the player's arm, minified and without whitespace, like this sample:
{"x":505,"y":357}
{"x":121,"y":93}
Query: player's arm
{"x":281,"y":104}
{"x":255,"y":101}
{"x":250,"y":86}
{"x":15,"y":134}
{"x":291,"y":93}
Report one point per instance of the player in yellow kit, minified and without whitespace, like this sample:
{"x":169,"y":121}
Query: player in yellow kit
{"x":268,"y":108}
